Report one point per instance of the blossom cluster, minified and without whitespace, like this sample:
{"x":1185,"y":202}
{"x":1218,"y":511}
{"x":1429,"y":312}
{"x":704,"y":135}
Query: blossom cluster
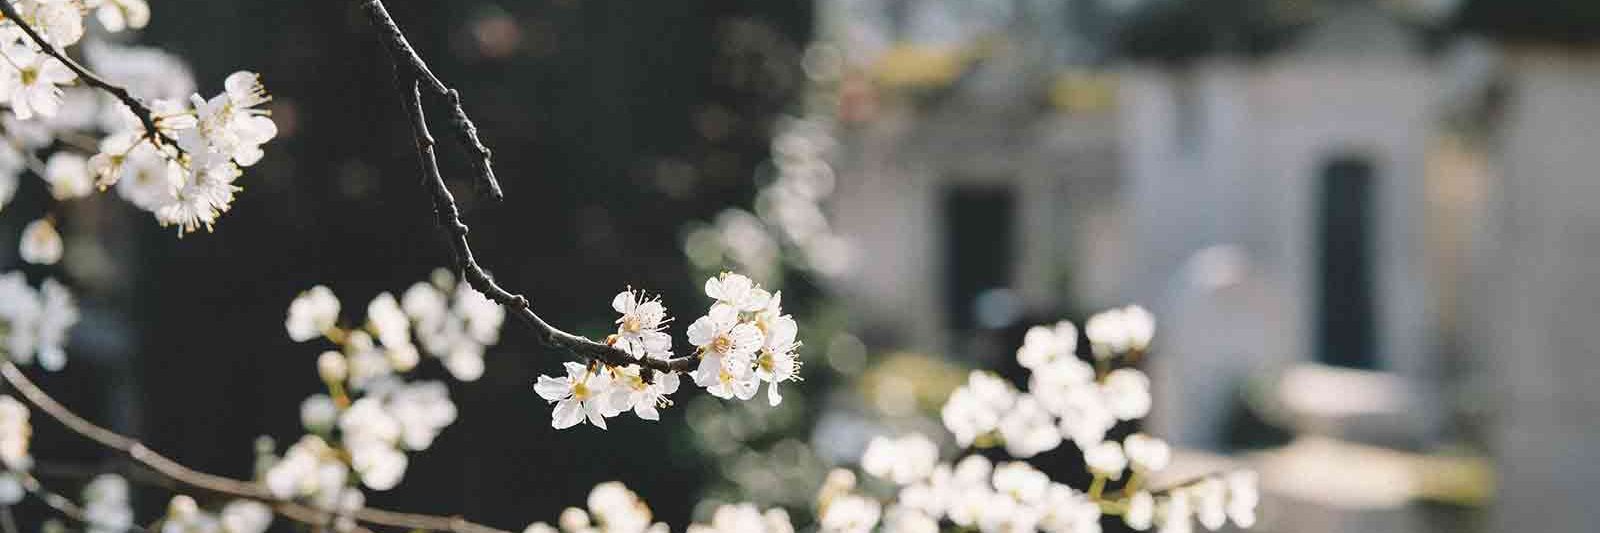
{"x":34,"y":322}
{"x":744,"y":339}
{"x":1067,"y":399}
{"x":78,"y":140}
{"x":184,"y":515}
{"x":612,"y":508}
{"x":107,"y":507}
{"x":360,"y":431}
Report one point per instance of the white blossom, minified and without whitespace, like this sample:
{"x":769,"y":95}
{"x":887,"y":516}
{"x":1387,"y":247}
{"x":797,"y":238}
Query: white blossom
{"x":640,"y":328}
{"x":68,"y":175}
{"x":1117,"y":331}
{"x":1127,"y":393}
{"x":1146,"y":453}
{"x":117,"y":15}
{"x":106,"y":508}
{"x":1210,"y":499}
{"x":1141,"y":511}
{"x":318,"y":413}
{"x":30,"y":79}
{"x":40,"y":244}
{"x":311,"y":313}
{"x":631,"y":391}
{"x":850,"y":514}
{"x":1043,"y":344}
{"x":1028,"y":429}
{"x":975,"y":408}
{"x":15,"y":432}
{"x":903,"y":460}
{"x":1243,"y":497}
{"x":737,"y":292}
{"x":581,"y":394}
{"x":1106,"y":459}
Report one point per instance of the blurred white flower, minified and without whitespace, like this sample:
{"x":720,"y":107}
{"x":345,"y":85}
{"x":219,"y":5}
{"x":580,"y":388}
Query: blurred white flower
{"x":903,"y":460}
{"x":1243,"y":497}
{"x":311,"y":313}
{"x":40,"y":244}
{"x":736,"y":291}
{"x":1106,"y":459}
{"x":318,"y":413}
{"x":106,"y":508}
{"x":1043,"y":344}
{"x":1127,"y":393}
{"x":975,"y":408}
{"x":1118,"y":331}
{"x":1141,"y":511}
{"x":1146,"y":453}
{"x":15,"y":432}
{"x":1028,"y":429}
{"x":1210,"y":499}
{"x":850,"y":514}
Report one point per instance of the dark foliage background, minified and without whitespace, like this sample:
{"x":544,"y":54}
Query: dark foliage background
{"x":612,"y":124}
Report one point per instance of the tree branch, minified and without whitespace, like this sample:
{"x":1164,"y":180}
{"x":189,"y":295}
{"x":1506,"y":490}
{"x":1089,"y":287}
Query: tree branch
{"x":145,"y":114}
{"x":412,"y":76}
{"x":63,"y":504}
{"x":218,"y":485}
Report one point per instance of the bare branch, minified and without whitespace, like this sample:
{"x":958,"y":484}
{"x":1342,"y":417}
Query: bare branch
{"x":218,"y":485}
{"x":63,"y":504}
{"x":146,"y":115}
{"x":412,"y":76}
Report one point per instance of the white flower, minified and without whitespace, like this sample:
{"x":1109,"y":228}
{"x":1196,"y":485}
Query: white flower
{"x":1084,"y":417}
{"x":332,"y":367}
{"x":644,"y":398}
{"x":579,"y":395}
{"x":1028,"y":429}
{"x":745,"y":518}
{"x":40,"y":244}
{"x":370,"y":433}
{"x":68,"y":175}
{"x":1146,"y":453}
{"x":227,"y":125}
{"x":388,"y":322}
{"x":975,"y":408}
{"x":618,"y":509}
{"x":423,"y":409}
{"x":29,"y":81}
{"x":850,"y":514}
{"x":1117,"y":331}
{"x":58,"y":312}
{"x":727,"y":347}
{"x":640,"y":328}
{"x":904,"y":460}
{"x":310,"y":469}
{"x":59,"y":21}
{"x":900,"y":519}
{"x":1243,"y":496}
{"x":1042,"y":344}
{"x":779,"y":360}
{"x":105,"y":505}
{"x":245,"y":516}
{"x":11,"y":491}
{"x":1173,"y":513}
{"x":116,"y":15}
{"x":1141,"y":513}
{"x":318,"y":413}
{"x":144,"y":177}
{"x":1067,"y":511}
{"x":1021,"y":481}
{"x":1127,"y":393}
{"x":312,"y":313}
{"x":1210,"y":498}
{"x":737,"y":292}
{"x":1106,"y":459}
{"x":15,"y":432}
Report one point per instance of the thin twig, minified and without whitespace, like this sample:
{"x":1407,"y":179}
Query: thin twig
{"x":65,"y":506}
{"x":412,"y":76}
{"x":8,"y":522}
{"x":218,"y":485}
{"x":145,"y":114}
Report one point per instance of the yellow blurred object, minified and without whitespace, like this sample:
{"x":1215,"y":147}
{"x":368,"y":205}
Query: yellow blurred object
{"x":910,"y":66}
{"x":1083,"y":91}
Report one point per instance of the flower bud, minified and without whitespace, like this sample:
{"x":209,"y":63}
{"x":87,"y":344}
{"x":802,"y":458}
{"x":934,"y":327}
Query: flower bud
{"x":332,"y":367}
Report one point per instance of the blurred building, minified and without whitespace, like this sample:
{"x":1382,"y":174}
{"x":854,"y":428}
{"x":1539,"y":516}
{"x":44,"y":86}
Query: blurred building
{"x":1360,"y":221}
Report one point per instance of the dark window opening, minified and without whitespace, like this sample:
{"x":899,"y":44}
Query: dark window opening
{"x":979,"y":225}
{"x":1345,"y":331}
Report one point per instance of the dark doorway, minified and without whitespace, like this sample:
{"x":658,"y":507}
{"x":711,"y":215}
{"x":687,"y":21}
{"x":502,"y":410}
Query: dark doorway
{"x":978,"y":233}
{"x":1345,"y":331}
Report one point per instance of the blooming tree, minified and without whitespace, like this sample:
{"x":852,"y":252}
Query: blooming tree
{"x":139,"y":126}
